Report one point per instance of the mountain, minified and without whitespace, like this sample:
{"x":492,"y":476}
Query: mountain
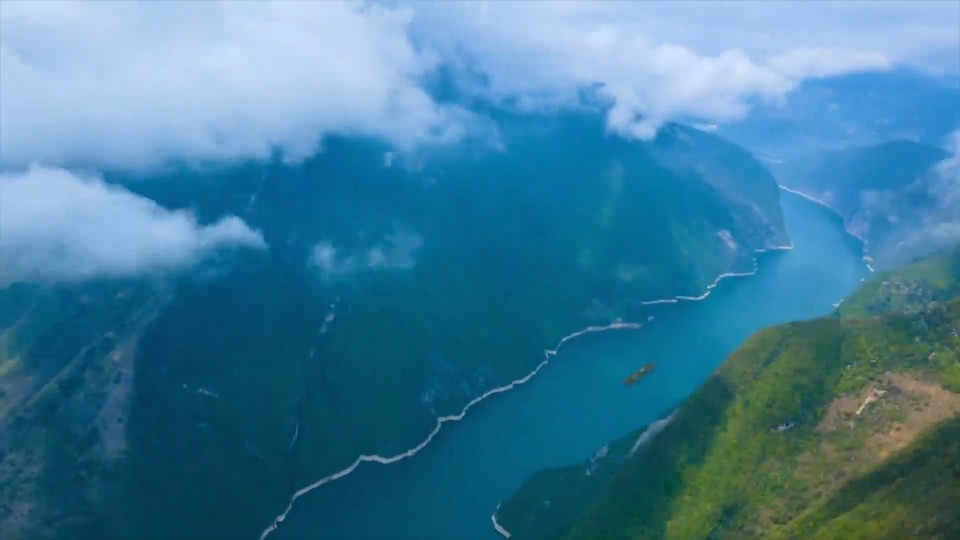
{"x":842,"y":427}
{"x":869,"y":145}
{"x":899,"y":196}
{"x":396,"y":288}
{"x":67,"y":372}
{"x":856,"y":109}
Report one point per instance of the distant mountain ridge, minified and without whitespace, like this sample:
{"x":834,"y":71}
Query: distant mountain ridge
{"x":889,"y":194}
{"x":856,"y":109}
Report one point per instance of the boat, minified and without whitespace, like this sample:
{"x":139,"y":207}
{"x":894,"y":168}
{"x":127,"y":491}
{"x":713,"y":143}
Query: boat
{"x":638,"y":374}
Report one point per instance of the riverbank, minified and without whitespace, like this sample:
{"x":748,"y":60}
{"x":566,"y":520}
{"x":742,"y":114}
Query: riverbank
{"x":548,"y":354}
{"x":502,"y":531}
{"x":581,"y":403}
{"x":867,"y":259}
{"x":440,"y":422}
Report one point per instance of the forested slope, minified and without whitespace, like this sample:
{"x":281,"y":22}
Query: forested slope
{"x":821,"y":428}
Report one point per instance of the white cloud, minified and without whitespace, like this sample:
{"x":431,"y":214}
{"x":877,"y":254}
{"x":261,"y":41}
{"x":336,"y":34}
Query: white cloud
{"x":55,"y":226}
{"x":136,"y":84}
{"x":946,"y":179}
{"x":552,"y":50}
{"x":939,"y":225}
{"x":662,"y":61}
{"x":397,"y":251}
{"x":819,"y":62}
{"x":132,"y":85}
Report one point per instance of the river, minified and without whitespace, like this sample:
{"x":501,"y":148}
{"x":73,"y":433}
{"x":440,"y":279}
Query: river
{"x":579,"y":402}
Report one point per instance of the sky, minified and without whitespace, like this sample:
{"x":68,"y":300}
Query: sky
{"x":110,"y":86}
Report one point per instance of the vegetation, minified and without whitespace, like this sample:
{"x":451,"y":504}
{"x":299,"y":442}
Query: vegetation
{"x":892,"y":194}
{"x":245,"y":391}
{"x":64,"y":365}
{"x":810,"y":429}
{"x":914,"y":494}
{"x":910,"y":289}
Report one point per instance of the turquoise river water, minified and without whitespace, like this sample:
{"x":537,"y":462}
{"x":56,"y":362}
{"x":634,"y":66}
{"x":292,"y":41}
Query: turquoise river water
{"x":579,"y":402}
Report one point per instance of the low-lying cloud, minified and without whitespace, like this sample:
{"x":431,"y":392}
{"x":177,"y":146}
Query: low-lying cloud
{"x":137,"y":84}
{"x":939,"y":225}
{"x":56,"y":226}
{"x":656,"y":62}
{"x":397,"y":251}
{"x":132,"y":86}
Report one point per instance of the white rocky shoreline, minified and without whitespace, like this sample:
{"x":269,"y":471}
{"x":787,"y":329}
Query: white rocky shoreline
{"x":617,"y":325}
{"x":866,"y":259}
{"x":496,"y":524}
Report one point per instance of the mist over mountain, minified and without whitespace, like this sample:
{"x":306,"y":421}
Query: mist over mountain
{"x":899,"y":196}
{"x":247,"y":249}
{"x":852,"y":110}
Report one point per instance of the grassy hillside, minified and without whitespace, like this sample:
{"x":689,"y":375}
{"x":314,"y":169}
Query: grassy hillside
{"x":807,"y":429}
{"x":914,"y":494}
{"x":910,"y":289}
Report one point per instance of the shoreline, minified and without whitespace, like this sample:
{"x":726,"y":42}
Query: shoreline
{"x":719,"y":278}
{"x":363,"y":458}
{"x":496,"y":524}
{"x":493,"y":518}
{"x":548,"y":354}
{"x":867,"y":259}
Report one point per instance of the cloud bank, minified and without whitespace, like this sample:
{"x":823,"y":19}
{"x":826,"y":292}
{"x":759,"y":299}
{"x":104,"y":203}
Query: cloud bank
{"x":938,"y":226}
{"x":133,"y":85}
{"x":137,"y":84}
{"x":55,"y":226}
{"x":684,"y":60}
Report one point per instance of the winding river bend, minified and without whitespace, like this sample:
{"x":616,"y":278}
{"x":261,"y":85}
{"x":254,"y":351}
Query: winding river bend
{"x":579,"y":402}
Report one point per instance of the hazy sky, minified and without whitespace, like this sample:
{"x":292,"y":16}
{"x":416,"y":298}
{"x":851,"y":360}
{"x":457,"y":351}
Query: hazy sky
{"x":129,"y":86}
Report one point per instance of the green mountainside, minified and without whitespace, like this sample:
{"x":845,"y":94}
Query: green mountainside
{"x":841,"y":427}
{"x":909,"y":289}
{"x":842,"y":174}
{"x":894,"y":195}
{"x":395,"y":290}
{"x":66,"y":375}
